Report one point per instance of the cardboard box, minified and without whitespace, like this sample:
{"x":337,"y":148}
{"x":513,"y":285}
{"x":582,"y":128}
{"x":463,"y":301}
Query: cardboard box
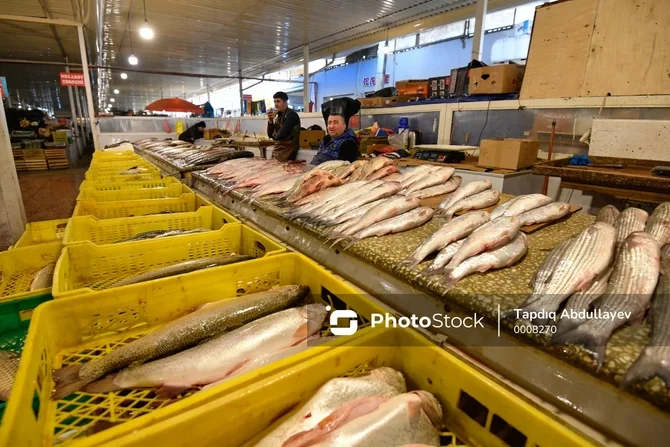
{"x":496,"y":79}
{"x":458,"y":85}
{"x":508,"y":153}
{"x":369,"y":143}
{"x":311,"y":138}
{"x":439,"y":86}
{"x":401,"y":99}
{"x":412,"y":87}
{"x":371,"y":102}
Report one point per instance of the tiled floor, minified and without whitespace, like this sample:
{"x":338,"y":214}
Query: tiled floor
{"x":51,"y":194}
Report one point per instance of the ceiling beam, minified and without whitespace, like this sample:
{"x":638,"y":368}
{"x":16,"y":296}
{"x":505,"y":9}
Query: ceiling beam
{"x":53,"y":28}
{"x":39,"y":20}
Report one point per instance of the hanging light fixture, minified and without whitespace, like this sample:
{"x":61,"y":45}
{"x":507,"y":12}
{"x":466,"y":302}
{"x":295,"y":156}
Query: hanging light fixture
{"x":124,"y":76}
{"x":116,"y":90}
{"x":146,"y":32}
{"x":132,"y":59}
{"x":112,"y":99}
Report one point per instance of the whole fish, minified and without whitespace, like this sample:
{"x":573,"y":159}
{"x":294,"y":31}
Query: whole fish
{"x":348,"y":219}
{"x":315,"y":180}
{"x":630,"y":220}
{"x":500,"y":257}
{"x":389,"y":208}
{"x":410,"y":417}
{"x":463,"y":192}
{"x":392,"y":177}
{"x":489,"y":236}
{"x":209,"y":320}
{"x":608,"y":214}
{"x":436,"y":177}
{"x":450,"y":185}
{"x":43,"y":278}
{"x":581,"y":301}
{"x":658,"y":224}
{"x":383,"y":172}
{"x":351,"y":168}
{"x":182,"y":268}
{"x":416,"y":174}
{"x":9,"y":365}
{"x":332,"y":164}
{"x":375,"y":165}
{"x":358,"y":172}
{"x":443,"y":257}
{"x":629,"y":290}
{"x":331,"y":396}
{"x":219,"y":357}
{"x":278,"y":187}
{"x":549,"y":264}
{"x":386,"y":189}
{"x":584,"y":260}
{"x":526,"y":203}
{"x":158,"y":234}
{"x":547,"y":213}
{"x":450,"y":232}
{"x":335,"y":197}
{"x":404,"y":222}
{"x":477,"y":201}
{"x":500,"y":209}
{"x":655,"y":357}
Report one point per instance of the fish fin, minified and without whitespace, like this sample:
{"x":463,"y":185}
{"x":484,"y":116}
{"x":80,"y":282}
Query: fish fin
{"x":170,"y":391}
{"x":67,"y":373}
{"x":649,"y":364}
{"x":594,"y":342}
{"x":103,"y":385}
{"x":409,"y":262}
{"x":66,"y":388}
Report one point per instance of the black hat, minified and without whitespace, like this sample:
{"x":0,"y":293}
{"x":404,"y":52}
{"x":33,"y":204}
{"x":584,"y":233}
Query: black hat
{"x":344,"y":107}
{"x":201,"y":124}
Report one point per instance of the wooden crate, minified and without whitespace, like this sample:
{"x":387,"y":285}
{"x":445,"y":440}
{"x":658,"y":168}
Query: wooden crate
{"x":57,"y":158}
{"x":19,"y":161}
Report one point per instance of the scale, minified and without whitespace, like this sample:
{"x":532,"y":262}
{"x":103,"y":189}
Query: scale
{"x":442,"y":153}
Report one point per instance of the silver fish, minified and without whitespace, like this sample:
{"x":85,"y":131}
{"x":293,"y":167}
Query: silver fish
{"x":549,"y":264}
{"x":416,"y":174}
{"x":526,"y":203}
{"x":43,"y":278}
{"x":658,"y":224}
{"x":407,"y":221}
{"x":391,"y":207}
{"x":500,"y":209}
{"x":630,"y":220}
{"x":452,"y":231}
{"x":443,"y":257}
{"x":477,"y":201}
{"x":546,"y":213}
{"x":387,"y":189}
{"x":608,"y":214}
{"x":449,"y":186}
{"x":351,"y":168}
{"x":500,"y":257}
{"x":436,"y":177}
{"x":348,"y":219}
{"x":629,"y":290}
{"x":463,"y":192}
{"x":353,"y":192}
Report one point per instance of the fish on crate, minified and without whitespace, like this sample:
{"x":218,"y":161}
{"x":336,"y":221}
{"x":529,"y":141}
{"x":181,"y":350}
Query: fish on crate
{"x":43,"y":278}
{"x":9,"y":365}
{"x":159,"y":234}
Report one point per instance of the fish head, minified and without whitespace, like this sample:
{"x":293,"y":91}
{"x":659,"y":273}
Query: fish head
{"x":391,"y":377}
{"x":431,"y":407}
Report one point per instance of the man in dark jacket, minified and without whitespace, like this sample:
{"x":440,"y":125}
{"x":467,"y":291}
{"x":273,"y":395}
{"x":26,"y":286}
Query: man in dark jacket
{"x":195,"y":132}
{"x":284,"y":128}
{"x":340,"y":143}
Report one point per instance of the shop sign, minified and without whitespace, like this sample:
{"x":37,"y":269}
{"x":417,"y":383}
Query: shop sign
{"x":371,"y":81}
{"x":72,"y":79}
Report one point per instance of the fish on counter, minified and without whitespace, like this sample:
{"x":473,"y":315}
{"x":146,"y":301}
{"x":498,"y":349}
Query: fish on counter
{"x":316,"y":180}
{"x":209,"y":320}
{"x":383,"y":172}
{"x":412,"y":176}
{"x":159,"y":234}
{"x":550,"y":262}
{"x":629,"y":221}
{"x":390,"y":207}
{"x":443,"y":257}
{"x":9,"y":365}
{"x":349,"y":219}
{"x":629,"y":290}
{"x":382,"y":382}
{"x":543,"y":214}
{"x":449,"y":186}
{"x":404,"y":222}
{"x":477,"y":201}
{"x":658,"y":224}
{"x":334,"y":198}
{"x":351,"y":168}
{"x":438,"y":176}
{"x":278,"y":186}
{"x":221,"y":356}
{"x":373,"y":166}
{"x":608,"y":214}
{"x":43,"y":278}
{"x":465,"y":191}
{"x":182,"y":268}
{"x":524,"y":203}
{"x":386,"y":189}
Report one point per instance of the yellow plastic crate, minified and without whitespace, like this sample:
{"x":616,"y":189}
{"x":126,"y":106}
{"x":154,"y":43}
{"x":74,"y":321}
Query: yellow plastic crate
{"x":171,"y":191}
{"x":120,"y":186}
{"x":478,"y":410}
{"x":42,"y":233}
{"x":19,"y":266}
{"x":85,"y":267}
{"x":115,"y":178}
{"x":117,"y":165}
{"x":111,"y":231}
{"x":75,"y":329}
{"x":115,"y":156}
{"x":131,"y":208}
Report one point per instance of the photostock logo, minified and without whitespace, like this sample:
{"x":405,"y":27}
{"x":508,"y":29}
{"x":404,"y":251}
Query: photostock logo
{"x":338,"y":315}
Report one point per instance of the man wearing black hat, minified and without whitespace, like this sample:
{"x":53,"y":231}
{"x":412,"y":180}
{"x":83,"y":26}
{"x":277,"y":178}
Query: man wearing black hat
{"x":195,"y":132}
{"x":340,"y":143}
{"x":284,"y":128}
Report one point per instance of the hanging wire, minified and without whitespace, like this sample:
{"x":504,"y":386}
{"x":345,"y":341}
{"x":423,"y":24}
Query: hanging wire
{"x":144,"y":2}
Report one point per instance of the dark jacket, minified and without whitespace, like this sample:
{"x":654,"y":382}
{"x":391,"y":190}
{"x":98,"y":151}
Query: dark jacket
{"x":286,"y":132}
{"x":343,"y":147}
{"x":192,"y":133}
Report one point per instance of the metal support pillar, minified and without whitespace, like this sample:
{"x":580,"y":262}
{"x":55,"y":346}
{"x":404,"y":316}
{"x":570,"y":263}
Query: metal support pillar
{"x":381,"y":65}
{"x":480,"y":22}
{"x":241,"y":95}
{"x":12,"y":214}
{"x":305,"y":81}
{"x":86,"y":121}
{"x":89,"y":92}
{"x":78,"y":137}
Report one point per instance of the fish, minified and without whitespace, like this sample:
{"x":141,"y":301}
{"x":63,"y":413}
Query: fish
{"x":377,"y":421}
{"x":404,"y":222}
{"x":158,"y":234}
{"x":489,"y":236}
{"x":443,"y":257}
{"x":375,"y":165}
{"x":477,"y":201}
{"x":182,"y":268}
{"x":332,"y":197}
{"x":584,"y":260}
{"x":463,"y":192}
{"x":9,"y":365}
{"x":348,"y":219}
{"x":134,"y":170}
{"x":392,"y":177}
{"x":351,"y":168}
{"x":332,"y":164}
{"x":608,"y":214}
{"x":547,"y":213}
{"x":658,"y":224}
{"x":386,"y":189}
{"x":450,"y":185}
{"x":278,"y":187}
{"x":581,"y":301}
{"x":452,"y":231}
{"x":629,"y":221}
{"x":436,"y":177}
{"x":207,"y":321}
{"x":391,"y":207}
{"x":332,"y":395}
{"x":655,"y":357}
{"x":500,"y":209}
{"x":323,"y":180}
{"x":416,"y":174}
{"x":526,"y":203}
{"x":631,"y":285}
{"x":383,"y":172}
{"x":550,"y":262}
{"x":221,"y":356}
{"x":500,"y":257}
{"x":357,"y":173}
{"x":43,"y":278}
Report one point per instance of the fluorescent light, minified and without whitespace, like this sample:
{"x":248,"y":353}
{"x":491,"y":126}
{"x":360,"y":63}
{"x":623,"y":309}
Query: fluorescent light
{"x":132,"y":59}
{"x":146,"y":32}
{"x":388,"y":49}
{"x":124,"y":76}
{"x":109,"y":106}
{"x":417,"y":25}
{"x":116,"y":90}
{"x":112,"y":99}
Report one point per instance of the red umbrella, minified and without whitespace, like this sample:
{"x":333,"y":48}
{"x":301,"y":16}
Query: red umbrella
{"x":173,"y":105}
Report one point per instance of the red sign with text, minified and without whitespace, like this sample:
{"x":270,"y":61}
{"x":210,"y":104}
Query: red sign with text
{"x":72,"y":79}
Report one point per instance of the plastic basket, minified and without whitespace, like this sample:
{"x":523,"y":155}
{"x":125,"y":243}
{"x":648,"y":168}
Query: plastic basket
{"x":42,"y":233}
{"x":77,"y":328}
{"x":171,"y":191}
{"x":120,"y":186}
{"x":131,"y":208}
{"x":478,"y":411}
{"x":111,"y":231}
{"x":19,"y":266}
{"x":115,"y":178}
{"x":85,"y":267}
{"x":117,"y":165}
{"x":115,"y":156}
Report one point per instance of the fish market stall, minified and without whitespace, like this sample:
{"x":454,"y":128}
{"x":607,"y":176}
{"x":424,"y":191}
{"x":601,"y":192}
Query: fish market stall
{"x":376,"y":265}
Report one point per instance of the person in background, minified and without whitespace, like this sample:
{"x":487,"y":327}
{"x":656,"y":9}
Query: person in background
{"x":209,"y":110}
{"x":340,"y":143}
{"x":284,"y":128}
{"x":194,"y":132}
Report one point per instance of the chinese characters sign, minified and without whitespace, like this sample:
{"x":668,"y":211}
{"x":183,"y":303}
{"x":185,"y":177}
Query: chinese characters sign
{"x":372,"y":81}
{"x":72,"y":79}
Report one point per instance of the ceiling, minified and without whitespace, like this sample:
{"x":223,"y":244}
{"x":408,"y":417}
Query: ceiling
{"x":209,"y":37}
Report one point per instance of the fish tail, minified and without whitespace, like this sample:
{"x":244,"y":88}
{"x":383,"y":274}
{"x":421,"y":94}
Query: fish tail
{"x":337,"y":241}
{"x":66,"y":388}
{"x":447,"y":282}
{"x":410,"y":263}
{"x":566,"y":325}
{"x":67,"y":373}
{"x":596,"y":342}
{"x":352,"y":242}
{"x":534,"y":305}
{"x":649,"y":364}
{"x":104,"y":385}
